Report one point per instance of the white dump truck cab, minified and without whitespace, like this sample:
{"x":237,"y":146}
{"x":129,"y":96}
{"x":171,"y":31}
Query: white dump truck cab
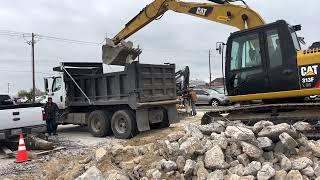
{"x":55,"y":88}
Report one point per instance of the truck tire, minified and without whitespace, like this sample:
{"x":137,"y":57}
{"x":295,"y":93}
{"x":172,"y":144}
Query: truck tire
{"x":123,"y":124}
{"x":99,"y":123}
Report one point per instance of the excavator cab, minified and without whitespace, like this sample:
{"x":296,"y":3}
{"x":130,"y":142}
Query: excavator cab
{"x":262,"y":60}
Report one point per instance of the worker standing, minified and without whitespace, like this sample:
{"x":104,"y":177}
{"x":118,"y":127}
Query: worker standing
{"x":193,"y":98}
{"x":51,"y":109}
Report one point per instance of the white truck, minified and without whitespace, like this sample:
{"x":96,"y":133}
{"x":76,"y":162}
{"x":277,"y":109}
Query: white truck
{"x":17,"y":119}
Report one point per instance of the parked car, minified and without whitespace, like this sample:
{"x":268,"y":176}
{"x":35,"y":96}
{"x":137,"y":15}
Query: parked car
{"x":220,"y":90}
{"x":22,"y":100}
{"x":211,"y":97}
{"x":6,"y":100}
{"x":38,"y":99}
{"x":44,"y":100}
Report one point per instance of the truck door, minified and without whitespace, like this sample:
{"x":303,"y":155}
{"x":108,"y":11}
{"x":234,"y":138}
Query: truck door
{"x":58,"y":92}
{"x":246,"y":66}
{"x":282,"y":68}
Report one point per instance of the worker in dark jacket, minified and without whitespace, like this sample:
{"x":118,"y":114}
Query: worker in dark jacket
{"x":51,"y":109}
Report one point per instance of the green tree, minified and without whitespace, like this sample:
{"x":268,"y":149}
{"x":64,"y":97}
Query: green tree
{"x":25,"y":93}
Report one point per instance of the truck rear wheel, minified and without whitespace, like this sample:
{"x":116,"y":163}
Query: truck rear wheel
{"x":99,"y":123}
{"x":123,"y":124}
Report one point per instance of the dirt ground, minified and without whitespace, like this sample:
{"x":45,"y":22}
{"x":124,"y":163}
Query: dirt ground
{"x":80,"y":145}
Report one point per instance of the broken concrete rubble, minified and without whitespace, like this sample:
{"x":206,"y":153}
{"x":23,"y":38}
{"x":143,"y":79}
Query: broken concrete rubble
{"x":214,"y":158}
{"x":301,"y":163}
{"x":294,"y":175}
{"x":239,"y":133}
{"x":92,"y":173}
{"x":216,"y":175}
{"x":287,"y":140}
{"x":219,"y":139}
{"x":285,"y":163}
{"x":251,"y":150}
{"x":235,"y":152}
{"x":193,"y":130}
{"x":268,"y":152}
{"x":266,"y":172}
{"x":252,"y":168}
{"x":302,"y":126}
{"x":265,"y":143}
{"x":275,"y":130}
{"x":257,"y":127}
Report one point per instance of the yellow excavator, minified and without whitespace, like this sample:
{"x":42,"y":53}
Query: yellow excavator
{"x":263,"y":61}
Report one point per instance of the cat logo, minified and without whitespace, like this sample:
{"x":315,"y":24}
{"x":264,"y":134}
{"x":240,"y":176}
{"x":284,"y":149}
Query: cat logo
{"x":309,"y":70}
{"x":201,"y":11}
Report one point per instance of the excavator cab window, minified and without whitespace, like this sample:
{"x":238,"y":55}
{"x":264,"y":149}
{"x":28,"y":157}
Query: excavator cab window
{"x":295,"y":38}
{"x":245,"y":52}
{"x":274,"y":48}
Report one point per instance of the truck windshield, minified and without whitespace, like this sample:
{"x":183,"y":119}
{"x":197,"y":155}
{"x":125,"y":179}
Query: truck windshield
{"x":295,"y":39}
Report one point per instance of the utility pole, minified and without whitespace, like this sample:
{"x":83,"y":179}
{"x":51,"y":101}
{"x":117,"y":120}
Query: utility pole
{"x":138,"y":55}
{"x":210,"y":68}
{"x":220,"y":49}
{"x":8,"y":88}
{"x":33,"y":71}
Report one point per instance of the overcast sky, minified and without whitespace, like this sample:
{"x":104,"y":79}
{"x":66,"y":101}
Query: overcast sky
{"x":176,"y":38}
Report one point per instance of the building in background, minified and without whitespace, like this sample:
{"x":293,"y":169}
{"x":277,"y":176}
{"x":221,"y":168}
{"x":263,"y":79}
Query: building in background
{"x":217,"y":82}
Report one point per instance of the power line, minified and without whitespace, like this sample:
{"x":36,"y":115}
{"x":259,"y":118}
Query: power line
{"x":15,"y":71}
{"x":69,"y":40}
{"x":54,"y":38}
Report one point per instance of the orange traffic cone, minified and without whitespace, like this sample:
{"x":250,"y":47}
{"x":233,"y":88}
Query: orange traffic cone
{"x":22,"y":151}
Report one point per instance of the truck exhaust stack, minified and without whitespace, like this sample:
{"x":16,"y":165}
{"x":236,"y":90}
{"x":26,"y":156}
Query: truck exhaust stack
{"x":120,"y":54}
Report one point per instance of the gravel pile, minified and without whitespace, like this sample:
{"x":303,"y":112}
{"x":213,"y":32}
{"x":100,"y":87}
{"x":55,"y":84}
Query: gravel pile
{"x":231,"y":151}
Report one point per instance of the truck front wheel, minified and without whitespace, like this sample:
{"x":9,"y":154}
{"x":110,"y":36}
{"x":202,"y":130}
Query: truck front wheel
{"x":99,"y":123}
{"x":123,"y":124}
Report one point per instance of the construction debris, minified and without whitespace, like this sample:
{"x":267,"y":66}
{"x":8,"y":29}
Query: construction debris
{"x":270,"y":151}
{"x":7,"y":151}
{"x":35,"y":143}
{"x":262,"y":151}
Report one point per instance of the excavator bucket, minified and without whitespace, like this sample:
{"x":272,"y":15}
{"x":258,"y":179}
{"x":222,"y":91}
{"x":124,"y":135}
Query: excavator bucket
{"x":120,"y":54}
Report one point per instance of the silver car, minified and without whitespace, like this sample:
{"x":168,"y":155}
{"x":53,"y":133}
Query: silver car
{"x":211,"y":97}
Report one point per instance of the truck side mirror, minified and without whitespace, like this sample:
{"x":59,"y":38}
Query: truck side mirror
{"x":219,"y":49}
{"x":297,"y":27}
{"x":46,"y":85}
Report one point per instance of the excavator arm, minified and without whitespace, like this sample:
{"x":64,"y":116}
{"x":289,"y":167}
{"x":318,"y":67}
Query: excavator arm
{"x":239,"y":16}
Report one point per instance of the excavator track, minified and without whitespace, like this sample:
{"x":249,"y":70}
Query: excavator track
{"x":277,"y":113}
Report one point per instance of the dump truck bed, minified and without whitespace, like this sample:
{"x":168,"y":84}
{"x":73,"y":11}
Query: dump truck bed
{"x":138,"y":83}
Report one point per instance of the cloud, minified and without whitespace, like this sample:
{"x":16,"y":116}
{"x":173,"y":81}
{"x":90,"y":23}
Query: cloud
{"x":176,"y":38}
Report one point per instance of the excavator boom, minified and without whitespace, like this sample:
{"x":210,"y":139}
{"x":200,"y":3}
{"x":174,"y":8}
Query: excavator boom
{"x":118,"y":52}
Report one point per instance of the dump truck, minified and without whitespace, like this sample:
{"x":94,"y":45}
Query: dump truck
{"x":141,"y":97}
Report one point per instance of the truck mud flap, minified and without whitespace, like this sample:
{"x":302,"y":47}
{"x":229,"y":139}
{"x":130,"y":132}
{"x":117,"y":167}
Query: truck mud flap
{"x":142,"y":120}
